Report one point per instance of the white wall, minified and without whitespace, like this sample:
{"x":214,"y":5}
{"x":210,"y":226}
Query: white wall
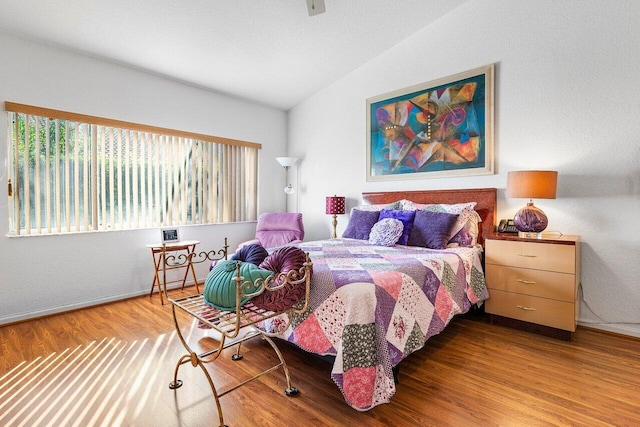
{"x":45,"y":274}
{"x":567,"y":85}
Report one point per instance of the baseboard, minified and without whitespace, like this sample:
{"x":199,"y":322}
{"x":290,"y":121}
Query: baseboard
{"x":629,"y":329}
{"x":31,"y":315}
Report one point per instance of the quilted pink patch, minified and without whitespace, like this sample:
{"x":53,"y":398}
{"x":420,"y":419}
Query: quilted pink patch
{"x":390,"y":281}
{"x":473,"y":298}
{"x":359,"y":385}
{"x":444,"y":304}
{"x":309,"y":335}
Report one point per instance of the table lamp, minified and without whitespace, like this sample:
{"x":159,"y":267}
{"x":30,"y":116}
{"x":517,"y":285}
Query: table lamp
{"x":534,"y":184}
{"x":335,"y":206}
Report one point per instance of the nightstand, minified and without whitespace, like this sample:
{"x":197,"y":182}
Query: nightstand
{"x":533,"y":283}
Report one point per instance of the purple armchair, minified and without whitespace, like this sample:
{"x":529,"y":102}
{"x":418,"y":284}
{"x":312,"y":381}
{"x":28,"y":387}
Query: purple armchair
{"x":277,"y":229}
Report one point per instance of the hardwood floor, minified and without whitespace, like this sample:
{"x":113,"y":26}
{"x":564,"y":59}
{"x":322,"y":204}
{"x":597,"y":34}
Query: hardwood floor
{"x":111,"y":365}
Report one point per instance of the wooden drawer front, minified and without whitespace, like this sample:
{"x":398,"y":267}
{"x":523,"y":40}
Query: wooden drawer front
{"x":541,"y":256}
{"x":549,"y":312}
{"x":546,"y":284}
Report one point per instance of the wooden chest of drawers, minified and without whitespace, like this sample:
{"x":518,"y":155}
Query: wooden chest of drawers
{"x":533,"y":281}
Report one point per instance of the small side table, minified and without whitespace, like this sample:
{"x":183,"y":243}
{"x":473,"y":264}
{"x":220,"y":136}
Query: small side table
{"x":188,"y":246}
{"x":533,"y":283}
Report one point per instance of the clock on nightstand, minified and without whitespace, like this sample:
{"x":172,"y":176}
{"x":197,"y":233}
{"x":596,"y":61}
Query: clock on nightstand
{"x":533,"y":283}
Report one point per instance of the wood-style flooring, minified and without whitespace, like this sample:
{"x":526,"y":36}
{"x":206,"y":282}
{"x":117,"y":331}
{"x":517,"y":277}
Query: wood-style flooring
{"x":111,"y":366}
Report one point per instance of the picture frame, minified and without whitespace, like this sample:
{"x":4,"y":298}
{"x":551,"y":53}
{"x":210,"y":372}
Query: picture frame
{"x":170,"y":235}
{"x":442,"y":128}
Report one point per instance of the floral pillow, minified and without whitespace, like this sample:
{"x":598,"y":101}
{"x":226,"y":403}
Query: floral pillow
{"x":407,"y":221}
{"x":386,"y":232}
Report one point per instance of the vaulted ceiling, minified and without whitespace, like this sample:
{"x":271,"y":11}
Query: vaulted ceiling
{"x":268,"y":51}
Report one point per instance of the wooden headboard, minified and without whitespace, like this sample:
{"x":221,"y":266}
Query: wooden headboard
{"x":486,"y":199}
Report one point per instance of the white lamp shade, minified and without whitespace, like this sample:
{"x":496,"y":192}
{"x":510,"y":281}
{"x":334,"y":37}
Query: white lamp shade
{"x":287,"y":161}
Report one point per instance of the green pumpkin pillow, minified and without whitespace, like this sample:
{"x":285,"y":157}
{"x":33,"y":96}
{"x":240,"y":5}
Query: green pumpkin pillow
{"x":220,"y":288}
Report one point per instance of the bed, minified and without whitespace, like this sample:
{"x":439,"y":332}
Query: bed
{"x":371,"y":306}
{"x":366,"y":303}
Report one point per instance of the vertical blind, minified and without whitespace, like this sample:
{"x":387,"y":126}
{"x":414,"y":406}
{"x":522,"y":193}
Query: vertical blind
{"x":73,"y":173}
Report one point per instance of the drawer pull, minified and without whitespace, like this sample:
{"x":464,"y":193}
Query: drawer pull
{"x":526,"y":282}
{"x":528,"y":255}
{"x":522,"y":307}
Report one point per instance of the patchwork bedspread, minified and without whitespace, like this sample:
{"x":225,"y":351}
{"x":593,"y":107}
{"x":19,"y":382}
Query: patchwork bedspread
{"x":372,"y":306}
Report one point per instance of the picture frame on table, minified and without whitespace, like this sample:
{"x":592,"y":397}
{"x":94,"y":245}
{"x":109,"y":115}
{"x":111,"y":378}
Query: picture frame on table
{"x":442,"y":128}
{"x":169,"y":235}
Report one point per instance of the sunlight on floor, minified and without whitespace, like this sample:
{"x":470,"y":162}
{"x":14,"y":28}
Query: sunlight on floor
{"x":88,"y":385}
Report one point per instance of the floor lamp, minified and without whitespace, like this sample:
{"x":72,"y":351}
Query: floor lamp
{"x":286,"y":163}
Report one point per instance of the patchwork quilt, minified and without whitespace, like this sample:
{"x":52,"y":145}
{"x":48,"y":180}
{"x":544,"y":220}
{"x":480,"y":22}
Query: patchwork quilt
{"x":372,"y":306}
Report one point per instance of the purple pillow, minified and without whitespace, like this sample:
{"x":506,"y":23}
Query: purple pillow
{"x":254,"y":254}
{"x":282,"y":260}
{"x":431,"y":229}
{"x":406,"y":217}
{"x":360,"y":224}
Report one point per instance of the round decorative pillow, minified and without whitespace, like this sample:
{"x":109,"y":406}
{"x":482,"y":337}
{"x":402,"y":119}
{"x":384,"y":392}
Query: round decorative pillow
{"x":220,"y":288}
{"x":254,"y":254}
{"x":386,"y":232}
{"x":282,"y":260}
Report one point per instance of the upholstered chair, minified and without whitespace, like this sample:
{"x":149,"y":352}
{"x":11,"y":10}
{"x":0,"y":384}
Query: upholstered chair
{"x":276,"y":229}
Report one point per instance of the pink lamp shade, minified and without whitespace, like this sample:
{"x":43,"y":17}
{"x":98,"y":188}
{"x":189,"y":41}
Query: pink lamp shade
{"x":335,"y":205}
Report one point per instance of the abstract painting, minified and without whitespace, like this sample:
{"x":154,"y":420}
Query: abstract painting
{"x":436,"y":129}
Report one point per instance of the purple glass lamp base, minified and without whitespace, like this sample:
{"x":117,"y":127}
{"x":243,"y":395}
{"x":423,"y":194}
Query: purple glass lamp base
{"x":530,"y":219}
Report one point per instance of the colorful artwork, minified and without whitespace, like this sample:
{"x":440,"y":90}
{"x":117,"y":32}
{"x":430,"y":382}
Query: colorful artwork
{"x":440,"y":128}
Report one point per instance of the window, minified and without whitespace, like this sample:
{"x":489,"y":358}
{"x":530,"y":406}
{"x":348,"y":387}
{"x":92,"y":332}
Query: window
{"x":70,"y":173}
